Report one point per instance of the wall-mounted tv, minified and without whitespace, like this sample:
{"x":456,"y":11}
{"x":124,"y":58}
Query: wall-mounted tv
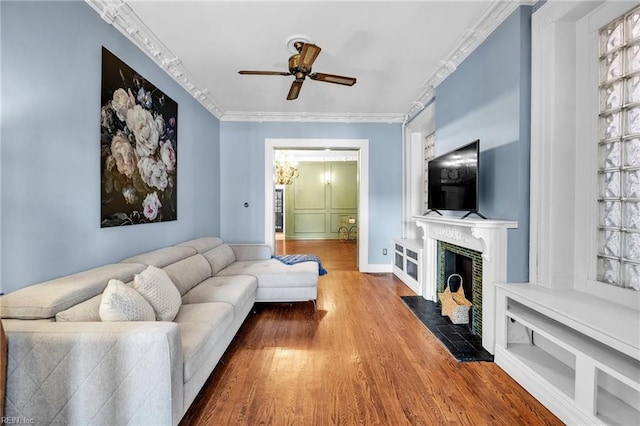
{"x":453,"y":180}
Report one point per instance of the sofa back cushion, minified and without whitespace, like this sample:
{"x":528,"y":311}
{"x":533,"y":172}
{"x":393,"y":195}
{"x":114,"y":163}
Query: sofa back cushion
{"x":162,"y":257}
{"x":89,"y":310}
{"x":188,"y":272}
{"x":219,"y":258}
{"x":46,"y":299}
{"x":202,"y":244}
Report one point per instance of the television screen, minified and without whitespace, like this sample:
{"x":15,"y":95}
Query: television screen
{"x":453,"y":179}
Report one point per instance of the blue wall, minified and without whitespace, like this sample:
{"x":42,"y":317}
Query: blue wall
{"x":242,"y":177}
{"x":488,"y":97}
{"x":50,"y":153}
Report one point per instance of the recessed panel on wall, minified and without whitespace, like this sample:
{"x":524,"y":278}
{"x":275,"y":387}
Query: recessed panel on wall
{"x":344,"y":185}
{"x":138,"y":148}
{"x":309,"y":188}
{"x":309,"y":223}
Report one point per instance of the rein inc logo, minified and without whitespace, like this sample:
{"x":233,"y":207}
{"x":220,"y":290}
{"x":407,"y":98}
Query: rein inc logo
{"x":17,"y":420}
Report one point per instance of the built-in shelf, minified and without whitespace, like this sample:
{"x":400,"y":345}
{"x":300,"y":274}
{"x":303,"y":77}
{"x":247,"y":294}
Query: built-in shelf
{"x":564,"y":347}
{"x":407,"y":262}
{"x":546,"y":366}
{"x":614,"y":411}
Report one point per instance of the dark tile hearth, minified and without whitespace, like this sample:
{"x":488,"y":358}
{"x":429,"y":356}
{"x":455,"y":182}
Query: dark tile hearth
{"x":458,"y":339}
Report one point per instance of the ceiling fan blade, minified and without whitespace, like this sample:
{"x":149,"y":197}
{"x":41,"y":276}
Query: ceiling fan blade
{"x":308,"y":55}
{"x":264,"y":73}
{"x":295,"y":90}
{"x":332,"y":78}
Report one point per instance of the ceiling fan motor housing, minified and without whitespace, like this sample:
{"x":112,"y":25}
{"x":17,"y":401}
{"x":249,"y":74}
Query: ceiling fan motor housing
{"x":296,"y":69}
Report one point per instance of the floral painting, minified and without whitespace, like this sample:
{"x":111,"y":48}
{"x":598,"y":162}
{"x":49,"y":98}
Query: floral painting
{"x":138,"y":148}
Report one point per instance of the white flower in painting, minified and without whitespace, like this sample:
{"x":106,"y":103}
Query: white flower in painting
{"x":122,"y":152}
{"x":122,"y":102}
{"x":153,"y":173}
{"x":151,"y":205}
{"x":160,"y":124}
{"x":141,"y":123}
{"x":129,"y":194}
{"x":168,"y":156}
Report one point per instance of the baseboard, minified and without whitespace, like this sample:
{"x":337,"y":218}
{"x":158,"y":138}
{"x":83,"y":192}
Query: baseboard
{"x":377,"y":268}
{"x":555,"y":400}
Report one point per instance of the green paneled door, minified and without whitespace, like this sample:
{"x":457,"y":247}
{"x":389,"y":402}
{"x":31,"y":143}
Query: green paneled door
{"x":320,"y":198}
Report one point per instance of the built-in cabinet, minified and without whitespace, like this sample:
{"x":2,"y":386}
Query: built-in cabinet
{"x":324,"y":195}
{"x":576,"y":353}
{"x":407,"y":262}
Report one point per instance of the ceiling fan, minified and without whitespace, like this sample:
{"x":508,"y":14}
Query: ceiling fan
{"x":300,"y":67}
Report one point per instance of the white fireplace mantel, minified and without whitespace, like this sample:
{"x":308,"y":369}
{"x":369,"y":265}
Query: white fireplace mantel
{"x":483,"y":235}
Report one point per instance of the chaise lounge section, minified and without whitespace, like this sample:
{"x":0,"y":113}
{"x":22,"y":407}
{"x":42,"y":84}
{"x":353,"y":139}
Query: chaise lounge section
{"x":66,"y":366}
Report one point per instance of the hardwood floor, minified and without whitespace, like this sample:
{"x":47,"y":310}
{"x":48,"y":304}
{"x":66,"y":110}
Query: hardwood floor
{"x":362,"y":358}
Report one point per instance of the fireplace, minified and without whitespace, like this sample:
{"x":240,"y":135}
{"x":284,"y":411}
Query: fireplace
{"x":488,"y":239}
{"x":454,"y":259}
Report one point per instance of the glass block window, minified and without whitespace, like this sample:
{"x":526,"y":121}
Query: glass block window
{"x":618,"y":238}
{"x":429,"y":154}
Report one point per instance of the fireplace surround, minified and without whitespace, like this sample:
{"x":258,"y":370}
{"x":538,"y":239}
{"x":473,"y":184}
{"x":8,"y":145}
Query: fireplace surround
{"x":486,"y":236}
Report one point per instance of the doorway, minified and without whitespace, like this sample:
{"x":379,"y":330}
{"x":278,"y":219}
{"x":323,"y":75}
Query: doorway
{"x":359,"y":146}
{"x":322,"y":197}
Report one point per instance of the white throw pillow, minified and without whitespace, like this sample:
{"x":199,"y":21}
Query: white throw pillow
{"x":122,"y":303}
{"x":157,"y":288}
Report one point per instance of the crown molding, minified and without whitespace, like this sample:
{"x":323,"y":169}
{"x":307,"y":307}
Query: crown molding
{"x":118,"y":14}
{"x":467,"y":43}
{"x":312,"y":117}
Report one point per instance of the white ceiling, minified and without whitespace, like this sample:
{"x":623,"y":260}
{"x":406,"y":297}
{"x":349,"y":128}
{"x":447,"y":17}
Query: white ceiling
{"x":397,"y":50}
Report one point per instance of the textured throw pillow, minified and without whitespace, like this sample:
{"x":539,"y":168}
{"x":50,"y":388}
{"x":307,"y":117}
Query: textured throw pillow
{"x":157,"y":288}
{"x":122,"y":303}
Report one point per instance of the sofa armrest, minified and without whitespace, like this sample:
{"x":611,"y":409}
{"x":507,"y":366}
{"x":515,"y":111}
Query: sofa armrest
{"x":94,"y":372}
{"x":251,"y":251}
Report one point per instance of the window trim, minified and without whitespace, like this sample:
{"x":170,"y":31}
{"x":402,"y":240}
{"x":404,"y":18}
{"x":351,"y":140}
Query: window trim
{"x":564,"y":210}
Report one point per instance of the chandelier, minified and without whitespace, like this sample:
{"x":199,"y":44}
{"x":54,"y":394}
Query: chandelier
{"x":286,"y":169}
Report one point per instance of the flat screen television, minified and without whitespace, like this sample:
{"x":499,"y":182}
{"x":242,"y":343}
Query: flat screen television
{"x":453,"y":180}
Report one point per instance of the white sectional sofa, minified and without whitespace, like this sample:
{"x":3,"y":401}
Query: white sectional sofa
{"x":66,"y":366}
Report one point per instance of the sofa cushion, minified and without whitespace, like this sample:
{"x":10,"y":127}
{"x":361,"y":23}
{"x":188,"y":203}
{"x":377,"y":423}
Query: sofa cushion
{"x":162,"y":257}
{"x":120,"y":302}
{"x":46,"y":299}
{"x":273,"y":273}
{"x":202,"y":244}
{"x":157,"y":288}
{"x":89,"y":310}
{"x":219,"y":258}
{"x":189,"y":272}
{"x":237,"y":290}
{"x":251,"y":251}
{"x":201,"y":327}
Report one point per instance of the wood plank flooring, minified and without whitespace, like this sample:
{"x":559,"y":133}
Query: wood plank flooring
{"x":362,"y":359}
